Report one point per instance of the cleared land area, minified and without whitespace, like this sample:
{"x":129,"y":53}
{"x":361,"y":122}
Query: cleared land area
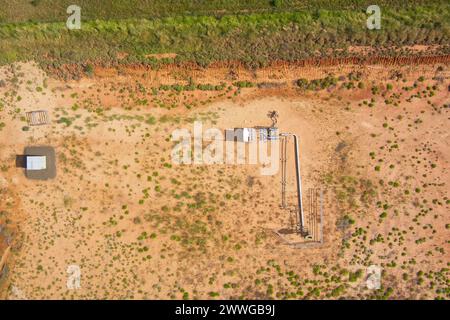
{"x":374,"y":138}
{"x":371,"y":108}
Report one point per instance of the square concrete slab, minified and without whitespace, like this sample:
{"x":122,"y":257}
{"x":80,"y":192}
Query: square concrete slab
{"x":50,"y":162}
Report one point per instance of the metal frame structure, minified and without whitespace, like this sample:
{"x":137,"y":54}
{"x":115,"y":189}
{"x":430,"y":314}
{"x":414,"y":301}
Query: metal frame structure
{"x":309,"y":227}
{"x":315,"y":214}
{"x":314,"y":219}
{"x":37,"y":118}
{"x":283,"y":171}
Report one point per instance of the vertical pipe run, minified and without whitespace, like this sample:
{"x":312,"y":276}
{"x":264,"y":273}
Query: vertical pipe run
{"x":283,"y":170}
{"x":299,"y":186}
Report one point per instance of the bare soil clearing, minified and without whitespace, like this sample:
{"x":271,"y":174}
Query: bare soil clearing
{"x":141,"y":227}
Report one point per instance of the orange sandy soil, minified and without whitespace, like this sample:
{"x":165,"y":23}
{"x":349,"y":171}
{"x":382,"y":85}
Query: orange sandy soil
{"x":139,"y":226}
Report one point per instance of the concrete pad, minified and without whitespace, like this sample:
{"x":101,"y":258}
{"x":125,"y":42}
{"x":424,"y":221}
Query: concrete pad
{"x":45,"y":151}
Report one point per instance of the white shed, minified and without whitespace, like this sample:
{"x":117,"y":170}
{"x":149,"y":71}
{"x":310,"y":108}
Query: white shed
{"x":36,"y":162}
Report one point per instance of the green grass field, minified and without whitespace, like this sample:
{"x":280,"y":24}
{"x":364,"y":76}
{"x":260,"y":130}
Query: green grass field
{"x":252,"y":38}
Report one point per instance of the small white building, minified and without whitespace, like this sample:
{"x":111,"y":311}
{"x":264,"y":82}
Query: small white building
{"x":36,"y":163}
